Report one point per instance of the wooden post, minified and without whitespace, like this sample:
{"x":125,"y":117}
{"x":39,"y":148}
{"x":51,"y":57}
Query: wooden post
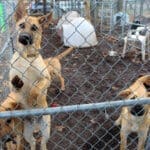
{"x":120,"y":5}
{"x":87,"y":9}
{"x":44,"y":7}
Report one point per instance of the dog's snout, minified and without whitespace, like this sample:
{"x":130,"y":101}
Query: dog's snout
{"x":37,"y":134}
{"x":137,"y":110}
{"x":25,"y":39}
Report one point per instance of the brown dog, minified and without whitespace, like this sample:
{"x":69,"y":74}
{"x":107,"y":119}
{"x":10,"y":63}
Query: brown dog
{"x":11,"y":129}
{"x":135,"y":118}
{"x":28,"y":69}
{"x":54,"y":66}
{"x":29,"y":77}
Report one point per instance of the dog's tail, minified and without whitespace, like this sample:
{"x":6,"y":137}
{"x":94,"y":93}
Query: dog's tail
{"x":65,"y":53}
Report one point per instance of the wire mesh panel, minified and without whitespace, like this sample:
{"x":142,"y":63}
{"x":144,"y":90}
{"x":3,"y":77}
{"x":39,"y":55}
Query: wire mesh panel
{"x":60,"y":7}
{"x":105,"y":11}
{"x":93,"y":96}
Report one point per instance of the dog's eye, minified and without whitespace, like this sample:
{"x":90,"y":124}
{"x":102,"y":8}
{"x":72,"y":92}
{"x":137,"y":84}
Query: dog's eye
{"x":34,"y":27}
{"x":22,"y":25}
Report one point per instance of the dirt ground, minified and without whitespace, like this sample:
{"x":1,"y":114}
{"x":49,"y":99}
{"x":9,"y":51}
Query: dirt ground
{"x":91,"y":75}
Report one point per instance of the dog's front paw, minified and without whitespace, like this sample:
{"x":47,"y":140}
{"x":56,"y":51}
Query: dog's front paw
{"x":17,"y":82}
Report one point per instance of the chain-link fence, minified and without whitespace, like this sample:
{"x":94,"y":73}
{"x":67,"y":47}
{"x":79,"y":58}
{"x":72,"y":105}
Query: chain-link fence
{"x":112,"y":51}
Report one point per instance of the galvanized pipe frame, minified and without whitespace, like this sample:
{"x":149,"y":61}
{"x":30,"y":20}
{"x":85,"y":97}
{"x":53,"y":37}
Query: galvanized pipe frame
{"x":74,"y":108}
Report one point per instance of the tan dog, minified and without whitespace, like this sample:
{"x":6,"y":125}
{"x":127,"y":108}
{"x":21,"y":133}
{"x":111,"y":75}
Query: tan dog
{"x":135,"y":118}
{"x":29,"y":78}
{"x":54,"y":66}
{"x":11,"y":130}
{"x":27,"y":65}
{"x":39,"y":126}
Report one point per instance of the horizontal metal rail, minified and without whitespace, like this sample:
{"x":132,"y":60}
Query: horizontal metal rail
{"x":73,"y":108}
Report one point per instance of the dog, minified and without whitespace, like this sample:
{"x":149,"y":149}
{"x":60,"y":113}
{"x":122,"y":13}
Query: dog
{"x":28,"y":71}
{"x":11,"y":135}
{"x":27,"y":65}
{"x":36,"y":129}
{"x":29,"y":77}
{"x":54,"y":67}
{"x":135,"y":118}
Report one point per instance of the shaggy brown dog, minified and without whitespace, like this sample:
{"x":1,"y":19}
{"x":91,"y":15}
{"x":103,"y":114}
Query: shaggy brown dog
{"x":135,"y":118}
{"x":11,"y":129}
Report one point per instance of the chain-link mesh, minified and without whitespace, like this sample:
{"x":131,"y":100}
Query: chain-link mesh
{"x":84,"y":110}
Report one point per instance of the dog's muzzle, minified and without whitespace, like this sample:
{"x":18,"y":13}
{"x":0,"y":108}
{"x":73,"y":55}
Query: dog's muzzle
{"x":137,"y":110}
{"x":25,"y":38}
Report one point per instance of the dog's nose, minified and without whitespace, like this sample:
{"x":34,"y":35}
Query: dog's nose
{"x":137,"y":110}
{"x":25,"y":39}
{"x":37,"y":134}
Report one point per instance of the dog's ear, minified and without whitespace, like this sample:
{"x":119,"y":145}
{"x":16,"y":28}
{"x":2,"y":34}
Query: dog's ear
{"x":20,"y":11}
{"x":125,"y":93}
{"x":145,"y":80}
{"x":46,"y":20}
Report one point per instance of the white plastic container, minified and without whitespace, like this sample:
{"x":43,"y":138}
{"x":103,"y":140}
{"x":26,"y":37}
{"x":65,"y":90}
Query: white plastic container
{"x":76,"y":31}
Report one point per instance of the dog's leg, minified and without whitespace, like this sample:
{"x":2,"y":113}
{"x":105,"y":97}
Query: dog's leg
{"x":45,"y":127}
{"x":142,"y":138}
{"x":28,"y":134}
{"x":118,"y":121}
{"x":43,"y":145}
{"x":33,"y":145}
{"x":11,"y":146}
{"x":143,"y":50}
{"x":31,"y":141}
{"x":62,"y":82}
{"x":123,"y":136}
{"x":38,"y":91}
{"x":125,"y":46}
{"x":20,"y":142}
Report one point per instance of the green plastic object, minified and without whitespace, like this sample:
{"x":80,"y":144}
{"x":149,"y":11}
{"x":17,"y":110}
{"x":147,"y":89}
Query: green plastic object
{"x":2,"y":18}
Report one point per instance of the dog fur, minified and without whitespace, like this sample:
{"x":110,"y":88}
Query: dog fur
{"x":135,"y":118}
{"x":11,"y":134}
{"x":54,"y":67}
